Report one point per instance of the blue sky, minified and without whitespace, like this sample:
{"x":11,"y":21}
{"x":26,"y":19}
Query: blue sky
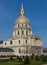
{"x":35,"y":11}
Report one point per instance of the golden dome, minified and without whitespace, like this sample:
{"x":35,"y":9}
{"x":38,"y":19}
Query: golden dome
{"x":22,"y":18}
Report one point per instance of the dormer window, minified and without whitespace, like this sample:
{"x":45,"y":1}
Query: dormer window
{"x":18,"y":25}
{"x":26,"y":25}
{"x":5,"y":43}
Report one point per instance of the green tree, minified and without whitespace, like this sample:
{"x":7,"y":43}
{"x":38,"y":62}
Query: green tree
{"x":44,"y":59}
{"x":20,"y":58}
{"x":27,"y":61}
{"x":37,"y":58}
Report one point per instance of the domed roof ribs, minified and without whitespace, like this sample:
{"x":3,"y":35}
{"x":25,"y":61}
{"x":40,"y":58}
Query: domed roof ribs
{"x":22,"y":10}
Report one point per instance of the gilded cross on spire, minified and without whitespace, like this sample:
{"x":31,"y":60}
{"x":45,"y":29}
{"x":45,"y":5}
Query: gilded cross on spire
{"x":22,"y":10}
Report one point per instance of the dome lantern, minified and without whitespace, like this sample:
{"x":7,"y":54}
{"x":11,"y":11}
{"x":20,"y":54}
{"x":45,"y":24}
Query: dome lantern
{"x":22,"y":18}
{"x":22,"y":10}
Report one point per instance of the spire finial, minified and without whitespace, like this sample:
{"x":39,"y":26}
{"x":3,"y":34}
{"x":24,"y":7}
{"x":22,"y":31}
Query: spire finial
{"x":22,"y":10}
{"x":22,"y":5}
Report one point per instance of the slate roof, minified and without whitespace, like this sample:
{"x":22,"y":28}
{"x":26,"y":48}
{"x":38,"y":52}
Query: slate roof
{"x":44,"y":49}
{"x":1,"y":42}
{"x":6,"y":50}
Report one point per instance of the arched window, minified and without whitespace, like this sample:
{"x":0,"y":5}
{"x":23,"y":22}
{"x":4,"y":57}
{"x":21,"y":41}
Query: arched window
{"x":19,"y":41}
{"x":22,"y":32}
{"x":26,"y":32}
{"x":26,"y":41}
{"x":22,"y":25}
{"x":26,"y":49}
{"x":19,"y":50}
{"x":18,"y":32}
{"x":11,"y":42}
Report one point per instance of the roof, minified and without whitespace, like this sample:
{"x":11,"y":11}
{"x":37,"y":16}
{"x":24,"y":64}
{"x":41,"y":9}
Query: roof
{"x":22,"y":19}
{"x":6,"y":50}
{"x":44,"y":49}
{"x":10,"y":39}
{"x":1,"y":42}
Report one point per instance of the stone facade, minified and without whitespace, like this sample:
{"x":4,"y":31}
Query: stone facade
{"x":23,"y":42}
